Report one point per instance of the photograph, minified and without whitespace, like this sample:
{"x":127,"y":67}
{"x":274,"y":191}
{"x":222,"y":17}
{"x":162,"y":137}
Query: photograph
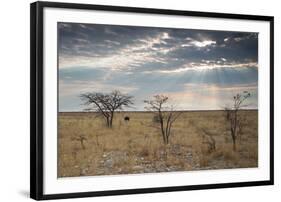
{"x":140,"y":99}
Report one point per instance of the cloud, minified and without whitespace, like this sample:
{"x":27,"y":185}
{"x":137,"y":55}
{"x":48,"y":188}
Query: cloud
{"x":203,"y":43}
{"x":125,"y":47}
{"x":109,"y":31}
{"x":131,"y":55}
{"x":206,"y":65}
{"x":112,"y":42}
{"x":144,"y":61}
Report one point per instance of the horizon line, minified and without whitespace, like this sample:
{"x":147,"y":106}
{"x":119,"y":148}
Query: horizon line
{"x":247,"y":109}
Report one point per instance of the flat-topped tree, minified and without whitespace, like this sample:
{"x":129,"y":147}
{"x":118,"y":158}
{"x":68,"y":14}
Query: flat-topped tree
{"x":106,"y":103}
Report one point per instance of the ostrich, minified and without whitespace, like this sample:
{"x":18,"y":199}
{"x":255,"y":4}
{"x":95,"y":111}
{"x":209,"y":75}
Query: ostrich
{"x":126,"y":118}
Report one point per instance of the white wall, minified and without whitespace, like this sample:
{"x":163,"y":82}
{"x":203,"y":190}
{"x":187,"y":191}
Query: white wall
{"x":14,"y":88}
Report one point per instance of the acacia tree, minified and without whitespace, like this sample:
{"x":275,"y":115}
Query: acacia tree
{"x":166,"y":116}
{"x":106,"y":103}
{"x":232,"y":116}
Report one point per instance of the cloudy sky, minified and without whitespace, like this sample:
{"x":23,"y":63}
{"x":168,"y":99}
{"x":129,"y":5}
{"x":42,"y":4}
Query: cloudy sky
{"x":197,"y":69}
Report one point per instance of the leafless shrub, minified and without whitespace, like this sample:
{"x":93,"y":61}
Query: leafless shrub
{"x":165,"y":114}
{"x":207,"y":138}
{"x":81,"y":139}
{"x":156,"y":119}
{"x":232,"y":116}
{"x":241,"y":125}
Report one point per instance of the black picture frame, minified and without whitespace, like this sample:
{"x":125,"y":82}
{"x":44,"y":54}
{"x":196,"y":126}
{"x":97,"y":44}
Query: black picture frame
{"x":36,"y":99}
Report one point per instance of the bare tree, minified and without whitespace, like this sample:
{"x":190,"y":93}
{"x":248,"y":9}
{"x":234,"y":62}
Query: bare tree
{"x":106,"y":103}
{"x":208,"y":139}
{"x":166,"y":116}
{"x":232,"y":115}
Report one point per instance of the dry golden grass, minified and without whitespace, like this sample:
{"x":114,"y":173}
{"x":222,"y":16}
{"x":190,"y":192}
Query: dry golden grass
{"x":137,"y":147}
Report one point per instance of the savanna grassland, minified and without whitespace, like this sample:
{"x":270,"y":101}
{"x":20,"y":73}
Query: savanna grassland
{"x":199,"y":140}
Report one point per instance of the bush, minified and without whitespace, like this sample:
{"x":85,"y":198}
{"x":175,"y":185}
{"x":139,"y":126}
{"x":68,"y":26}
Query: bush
{"x":156,"y":119}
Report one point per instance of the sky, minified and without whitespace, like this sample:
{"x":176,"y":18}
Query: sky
{"x":196,"y":69}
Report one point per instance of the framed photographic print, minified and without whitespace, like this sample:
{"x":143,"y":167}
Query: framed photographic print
{"x":134,"y":100}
